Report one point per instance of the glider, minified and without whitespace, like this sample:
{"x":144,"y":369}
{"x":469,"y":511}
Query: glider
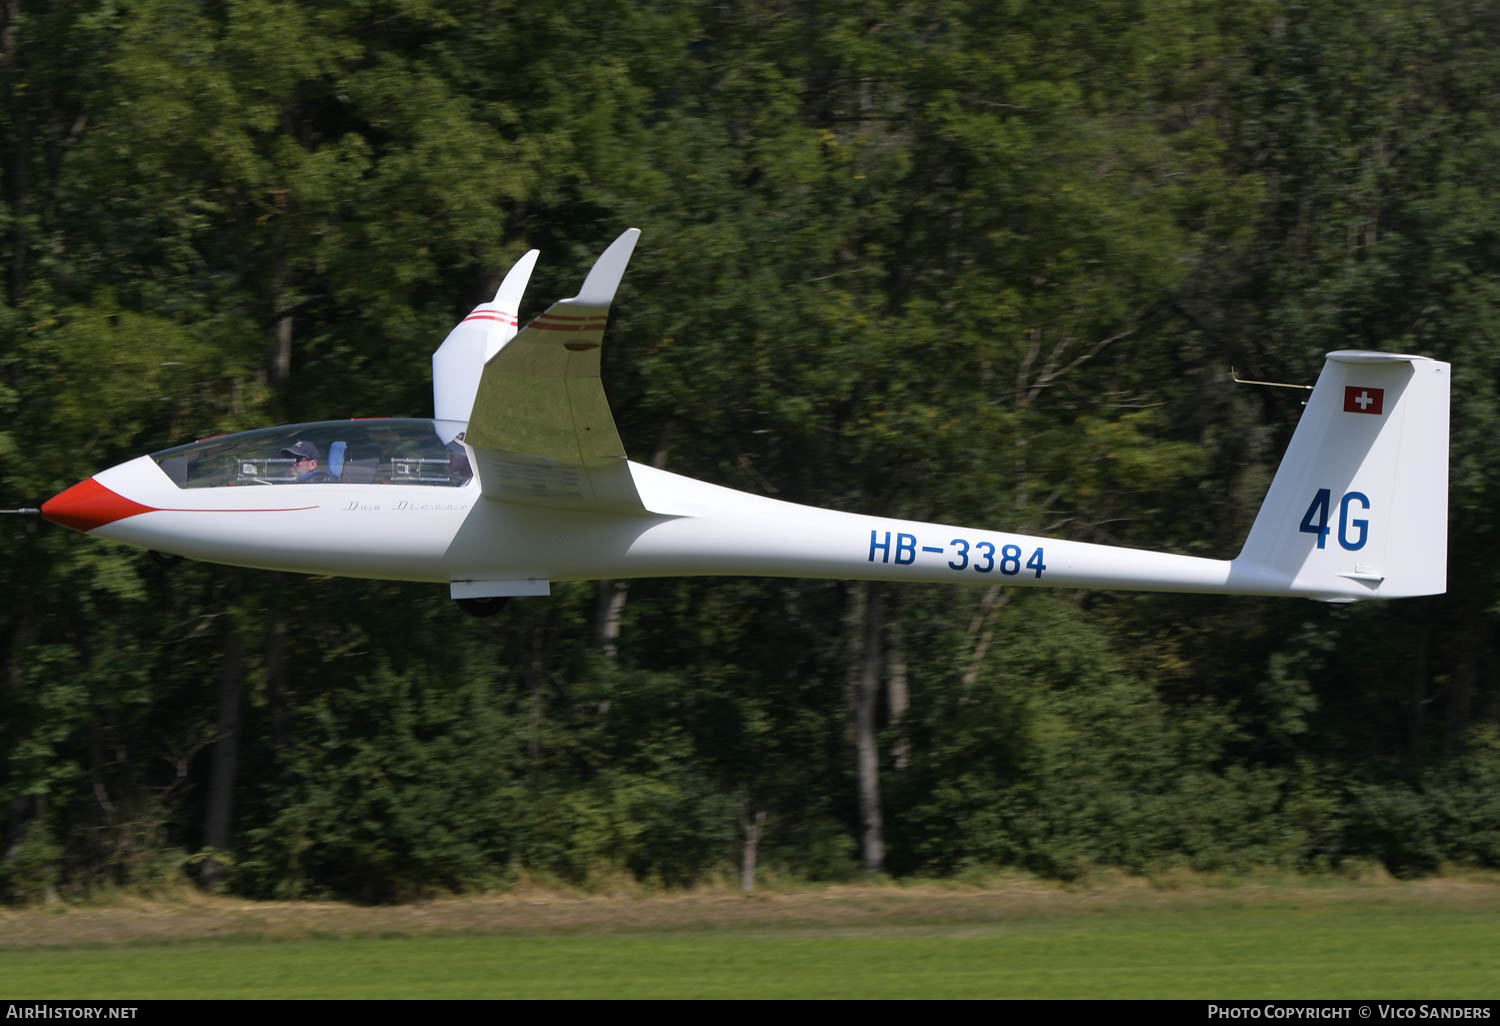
{"x":520,"y":479}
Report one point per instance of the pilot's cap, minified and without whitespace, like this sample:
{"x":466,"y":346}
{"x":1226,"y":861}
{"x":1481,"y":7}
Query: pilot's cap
{"x":302,"y":451}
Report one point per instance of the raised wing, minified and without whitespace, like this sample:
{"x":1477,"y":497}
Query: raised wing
{"x":457,"y":363}
{"x":540,"y":425}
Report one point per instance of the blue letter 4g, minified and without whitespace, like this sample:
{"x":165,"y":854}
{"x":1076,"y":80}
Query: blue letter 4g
{"x":1315,"y":520}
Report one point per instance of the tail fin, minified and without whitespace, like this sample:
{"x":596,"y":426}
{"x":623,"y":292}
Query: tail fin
{"x":458,"y":362}
{"x":1359,"y":505}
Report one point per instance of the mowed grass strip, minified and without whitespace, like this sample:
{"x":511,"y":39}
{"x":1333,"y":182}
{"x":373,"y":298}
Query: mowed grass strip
{"x":1345,"y":951}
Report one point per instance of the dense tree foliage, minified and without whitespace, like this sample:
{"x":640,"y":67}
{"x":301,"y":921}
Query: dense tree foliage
{"x":984,"y":264}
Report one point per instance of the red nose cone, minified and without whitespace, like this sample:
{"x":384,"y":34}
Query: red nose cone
{"x":88,"y":505}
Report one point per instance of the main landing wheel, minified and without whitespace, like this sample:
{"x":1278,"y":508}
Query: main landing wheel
{"x":483,"y":607}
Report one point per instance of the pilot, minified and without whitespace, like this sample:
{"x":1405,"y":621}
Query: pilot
{"x":306,"y":467}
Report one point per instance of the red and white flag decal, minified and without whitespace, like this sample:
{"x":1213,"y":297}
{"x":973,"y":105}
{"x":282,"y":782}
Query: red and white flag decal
{"x":1358,"y":399}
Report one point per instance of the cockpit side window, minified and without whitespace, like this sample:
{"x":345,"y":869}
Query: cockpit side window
{"x":375,"y":452}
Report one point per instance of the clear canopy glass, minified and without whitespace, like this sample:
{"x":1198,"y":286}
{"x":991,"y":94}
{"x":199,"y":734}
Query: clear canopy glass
{"x":376,"y":451}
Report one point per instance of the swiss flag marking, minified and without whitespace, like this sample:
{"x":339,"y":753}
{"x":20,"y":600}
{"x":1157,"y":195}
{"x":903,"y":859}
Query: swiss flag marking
{"x":1358,"y":399}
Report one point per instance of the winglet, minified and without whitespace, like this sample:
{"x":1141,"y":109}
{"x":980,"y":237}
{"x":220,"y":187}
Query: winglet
{"x":508,"y":299}
{"x":604,"y":278}
{"x":458,"y":362}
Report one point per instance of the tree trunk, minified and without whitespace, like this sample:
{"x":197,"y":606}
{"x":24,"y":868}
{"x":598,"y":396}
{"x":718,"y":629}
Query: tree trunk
{"x":610,"y":596}
{"x":867,"y":700}
{"x":898,"y":696}
{"x":276,"y":697}
{"x":217,"y":823}
{"x":751,"y":829}
{"x":981,"y":630}
{"x":609,"y":607}
{"x":280,"y":357}
{"x":1461,"y":683}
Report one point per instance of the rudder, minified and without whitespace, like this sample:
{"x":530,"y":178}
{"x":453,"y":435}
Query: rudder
{"x":1359,"y":505}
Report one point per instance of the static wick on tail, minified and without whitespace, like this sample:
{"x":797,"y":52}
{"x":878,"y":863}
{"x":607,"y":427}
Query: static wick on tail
{"x":1269,"y":384}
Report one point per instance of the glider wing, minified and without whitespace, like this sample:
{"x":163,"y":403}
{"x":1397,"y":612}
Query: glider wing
{"x":541,"y":427}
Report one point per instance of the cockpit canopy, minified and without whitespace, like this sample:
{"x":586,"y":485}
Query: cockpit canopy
{"x":378,"y":451}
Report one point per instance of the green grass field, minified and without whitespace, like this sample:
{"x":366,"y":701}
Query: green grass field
{"x":1270,"y":944}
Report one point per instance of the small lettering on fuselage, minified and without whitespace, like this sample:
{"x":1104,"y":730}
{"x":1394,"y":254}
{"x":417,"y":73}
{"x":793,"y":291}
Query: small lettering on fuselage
{"x":427,"y":507}
{"x":404,"y":506}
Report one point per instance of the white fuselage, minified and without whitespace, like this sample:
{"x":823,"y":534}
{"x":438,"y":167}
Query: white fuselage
{"x":446,"y":535}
